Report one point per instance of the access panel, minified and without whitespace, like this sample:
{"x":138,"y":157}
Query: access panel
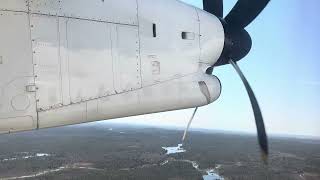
{"x":45,"y":47}
{"x":17,"y":102}
{"x":90,"y":60}
{"x":126,"y":54}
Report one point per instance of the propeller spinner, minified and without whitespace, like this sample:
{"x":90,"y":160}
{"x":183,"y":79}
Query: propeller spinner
{"x":237,"y":45}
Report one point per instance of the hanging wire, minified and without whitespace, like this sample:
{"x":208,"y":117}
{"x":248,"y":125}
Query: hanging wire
{"x":189,"y":123}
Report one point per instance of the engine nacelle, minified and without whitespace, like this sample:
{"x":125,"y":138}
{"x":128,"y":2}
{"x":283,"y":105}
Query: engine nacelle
{"x":73,"y":63}
{"x":187,"y":92}
{"x":212,"y":38}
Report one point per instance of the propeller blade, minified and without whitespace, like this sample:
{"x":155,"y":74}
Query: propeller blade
{"x":262,"y":136}
{"x":214,"y":7}
{"x":244,"y":12}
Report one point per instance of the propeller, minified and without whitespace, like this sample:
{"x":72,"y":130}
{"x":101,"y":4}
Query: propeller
{"x":214,"y":7}
{"x":237,"y":45}
{"x":244,"y":12}
{"x":262,"y":135}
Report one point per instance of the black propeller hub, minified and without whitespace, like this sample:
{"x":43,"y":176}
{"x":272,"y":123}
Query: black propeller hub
{"x":237,"y":44}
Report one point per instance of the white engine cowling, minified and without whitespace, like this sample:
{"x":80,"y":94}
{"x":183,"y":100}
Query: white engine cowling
{"x":211,"y":38}
{"x":187,"y":92}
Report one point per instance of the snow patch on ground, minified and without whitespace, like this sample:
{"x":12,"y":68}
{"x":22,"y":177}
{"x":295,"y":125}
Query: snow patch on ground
{"x":25,"y":155}
{"x":174,"y":150}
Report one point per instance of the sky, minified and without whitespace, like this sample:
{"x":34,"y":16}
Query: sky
{"x":283,"y":69}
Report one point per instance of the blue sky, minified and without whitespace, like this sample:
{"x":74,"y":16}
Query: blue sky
{"x":283,"y":68}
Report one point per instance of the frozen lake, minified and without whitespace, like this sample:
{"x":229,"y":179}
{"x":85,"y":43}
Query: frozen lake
{"x":212,"y":176}
{"x":174,"y":150}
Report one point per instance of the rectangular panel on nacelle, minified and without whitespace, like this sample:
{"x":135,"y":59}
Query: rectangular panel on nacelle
{"x":14,"y":5}
{"x":17,"y":105}
{"x":125,"y":48}
{"x":45,"y":44}
{"x":116,"y":11}
{"x":90,"y":60}
{"x":46,"y":7}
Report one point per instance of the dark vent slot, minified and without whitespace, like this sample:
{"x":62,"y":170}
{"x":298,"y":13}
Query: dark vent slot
{"x":154,"y":29}
{"x":188,"y":35}
{"x":184,"y":35}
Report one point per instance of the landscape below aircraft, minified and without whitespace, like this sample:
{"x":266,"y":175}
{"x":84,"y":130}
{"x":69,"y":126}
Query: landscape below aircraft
{"x":66,"y":62}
